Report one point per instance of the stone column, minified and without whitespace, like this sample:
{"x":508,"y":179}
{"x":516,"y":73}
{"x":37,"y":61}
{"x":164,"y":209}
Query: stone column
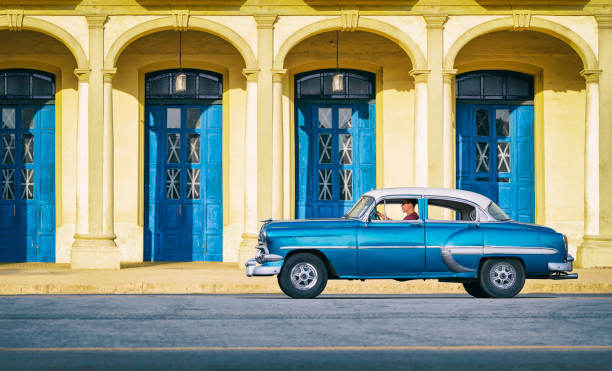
{"x":108,"y":198}
{"x":265,"y":57}
{"x":93,"y":248}
{"x":249,"y":236}
{"x":277,"y":144}
{"x":596,"y":248}
{"x":448,"y":134}
{"x":436,"y":164}
{"x":421,"y":145}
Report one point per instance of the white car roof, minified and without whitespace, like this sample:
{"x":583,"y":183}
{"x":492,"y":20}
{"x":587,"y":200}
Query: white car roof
{"x":476,"y":198}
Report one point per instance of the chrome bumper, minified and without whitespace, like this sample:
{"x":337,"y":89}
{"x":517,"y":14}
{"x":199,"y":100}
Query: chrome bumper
{"x":560,"y":269}
{"x":252,"y":269}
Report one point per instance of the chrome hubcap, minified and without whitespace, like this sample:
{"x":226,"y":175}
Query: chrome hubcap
{"x":304,"y":276}
{"x":503,"y":275}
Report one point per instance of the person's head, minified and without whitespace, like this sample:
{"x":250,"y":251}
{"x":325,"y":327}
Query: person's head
{"x":408,"y":206}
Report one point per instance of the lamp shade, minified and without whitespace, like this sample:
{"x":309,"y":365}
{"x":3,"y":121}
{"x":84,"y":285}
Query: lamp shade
{"x":338,"y":83}
{"x":180,"y":82}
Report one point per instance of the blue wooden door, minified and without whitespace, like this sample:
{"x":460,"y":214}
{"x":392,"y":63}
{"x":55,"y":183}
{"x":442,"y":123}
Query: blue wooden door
{"x":27,"y":205}
{"x":495,"y":155}
{"x":335,"y":157}
{"x":183,"y":183}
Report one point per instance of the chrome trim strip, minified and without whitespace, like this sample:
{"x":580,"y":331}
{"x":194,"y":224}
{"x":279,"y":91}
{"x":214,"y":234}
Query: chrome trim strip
{"x":466,"y":250}
{"x":525,"y":250}
{"x":392,"y":247}
{"x":447,"y":258}
{"x":317,"y":247}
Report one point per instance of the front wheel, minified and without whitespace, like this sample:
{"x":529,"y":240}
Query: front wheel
{"x":303,"y":276}
{"x":502,"y":278}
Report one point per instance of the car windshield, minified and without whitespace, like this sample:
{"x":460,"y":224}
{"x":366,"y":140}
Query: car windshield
{"x":360,"y":207}
{"x":496,"y":212}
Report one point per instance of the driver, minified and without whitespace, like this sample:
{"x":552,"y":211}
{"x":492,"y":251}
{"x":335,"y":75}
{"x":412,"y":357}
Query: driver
{"x":408,"y":206}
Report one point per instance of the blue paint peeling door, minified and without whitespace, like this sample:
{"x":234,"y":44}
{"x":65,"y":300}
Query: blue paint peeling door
{"x":335,"y":157}
{"x":27,"y":205}
{"x":183,"y":193}
{"x":495,"y":155}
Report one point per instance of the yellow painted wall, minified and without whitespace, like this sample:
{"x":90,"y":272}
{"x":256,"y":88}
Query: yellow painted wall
{"x":395,"y":92}
{"x":563,"y":117}
{"x":156,"y":52}
{"x":24,"y":50}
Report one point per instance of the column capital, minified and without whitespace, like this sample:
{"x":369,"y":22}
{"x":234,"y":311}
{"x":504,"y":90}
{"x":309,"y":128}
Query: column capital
{"x":590,"y":75}
{"x":420,"y":75}
{"x":96,"y":21}
{"x":435,"y":21}
{"x":604,"y":21}
{"x":108,"y":74}
{"x":265,"y":21}
{"x":251,"y":74}
{"x":82,"y":74}
{"x":278,"y":75}
{"x":449,"y":75}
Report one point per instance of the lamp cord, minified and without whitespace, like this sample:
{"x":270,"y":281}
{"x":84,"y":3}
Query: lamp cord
{"x":337,"y":48}
{"x":180,"y":50}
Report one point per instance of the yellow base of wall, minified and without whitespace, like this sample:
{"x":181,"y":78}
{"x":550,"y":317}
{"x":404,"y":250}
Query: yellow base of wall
{"x":595,"y":252}
{"x":86,"y":254}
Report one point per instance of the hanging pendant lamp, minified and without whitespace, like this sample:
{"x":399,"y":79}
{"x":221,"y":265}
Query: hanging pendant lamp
{"x":180,"y":80}
{"x":338,"y":79}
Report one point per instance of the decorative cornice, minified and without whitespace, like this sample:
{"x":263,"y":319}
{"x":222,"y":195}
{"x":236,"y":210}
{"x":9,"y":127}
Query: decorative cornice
{"x":449,"y":75}
{"x":82,"y":74}
{"x":15,"y":19}
{"x":604,"y":21}
{"x":350,"y":19}
{"x":96,"y":21}
{"x":251,"y":74}
{"x":435,"y":21}
{"x":109,"y":74}
{"x":278,"y":75}
{"x":521,"y":19}
{"x":590,"y":75}
{"x":181,"y":20}
{"x":265,"y":21}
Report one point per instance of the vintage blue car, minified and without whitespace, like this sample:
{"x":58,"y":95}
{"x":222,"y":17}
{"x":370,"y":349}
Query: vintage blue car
{"x":412,"y":233}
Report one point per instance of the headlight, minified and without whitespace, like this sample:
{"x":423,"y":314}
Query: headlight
{"x":259,"y":256}
{"x":262,"y":235}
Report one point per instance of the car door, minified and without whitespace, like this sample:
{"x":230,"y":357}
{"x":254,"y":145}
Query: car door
{"x":454,"y":239}
{"x":391,"y":247}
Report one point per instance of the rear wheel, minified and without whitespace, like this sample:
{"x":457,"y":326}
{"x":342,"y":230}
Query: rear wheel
{"x":474,"y":289}
{"x":502,"y":278}
{"x":303,"y":276}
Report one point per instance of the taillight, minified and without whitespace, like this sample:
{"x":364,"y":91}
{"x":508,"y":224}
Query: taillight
{"x":566,"y":248}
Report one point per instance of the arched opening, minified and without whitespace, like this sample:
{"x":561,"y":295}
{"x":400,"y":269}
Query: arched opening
{"x":143,"y":92}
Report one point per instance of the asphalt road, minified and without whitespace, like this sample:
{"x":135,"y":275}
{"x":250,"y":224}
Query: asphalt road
{"x":270,"y":332}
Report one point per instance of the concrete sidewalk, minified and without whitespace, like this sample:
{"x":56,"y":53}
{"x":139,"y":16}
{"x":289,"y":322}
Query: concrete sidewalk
{"x":227,"y":278}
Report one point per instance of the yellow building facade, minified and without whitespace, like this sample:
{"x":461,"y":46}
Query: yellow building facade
{"x":104,"y":59}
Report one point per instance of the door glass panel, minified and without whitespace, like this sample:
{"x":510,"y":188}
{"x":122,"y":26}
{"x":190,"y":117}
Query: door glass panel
{"x":325,"y":148}
{"x":344,"y":116}
{"x":325,"y":184}
{"x":159,"y":86}
{"x":8,"y":148}
{"x":502,"y":122}
{"x":27,"y":184}
{"x":503,"y":157}
{"x":346,"y":185}
{"x":173,"y":117}
{"x":493,"y":86}
{"x":8,"y":184}
{"x":174,"y":148}
{"x":27,"y":148}
{"x":8,"y":118}
{"x":27,"y":118}
{"x":194,"y":148}
{"x":345,"y":149}
{"x":18,"y":84}
{"x":173,"y":184}
{"x":482,"y":122}
{"x":42,"y":86}
{"x":325,"y":118}
{"x":193,"y":118}
{"x":482,"y":157}
{"x":193,"y":184}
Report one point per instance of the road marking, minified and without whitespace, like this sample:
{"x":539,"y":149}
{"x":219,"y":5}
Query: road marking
{"x":323,"y":348}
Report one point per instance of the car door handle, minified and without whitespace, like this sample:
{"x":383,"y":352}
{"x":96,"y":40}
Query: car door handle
{"x":417,"y":224}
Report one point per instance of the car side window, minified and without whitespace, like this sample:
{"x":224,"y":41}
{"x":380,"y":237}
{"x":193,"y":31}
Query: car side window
{"x":396,"y":210}
{"x":450,"y":210}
